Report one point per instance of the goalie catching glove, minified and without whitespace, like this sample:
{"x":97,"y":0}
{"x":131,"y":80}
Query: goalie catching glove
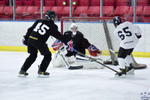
{"x":93,"y":50}
{"x":56,"y":45}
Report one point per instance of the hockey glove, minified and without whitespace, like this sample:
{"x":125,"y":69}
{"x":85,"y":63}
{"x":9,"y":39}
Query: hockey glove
{"x":24,"y":41}
{"x":56,"y":45}
{"x":70,"y":46}
{"x":93,"y":50}
{"x":138,"y":36}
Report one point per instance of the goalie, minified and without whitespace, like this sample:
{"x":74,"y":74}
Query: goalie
{"x":79,"y":42}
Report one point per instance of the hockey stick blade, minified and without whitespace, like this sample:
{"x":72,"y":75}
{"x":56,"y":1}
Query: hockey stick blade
{"x":75,"y":67}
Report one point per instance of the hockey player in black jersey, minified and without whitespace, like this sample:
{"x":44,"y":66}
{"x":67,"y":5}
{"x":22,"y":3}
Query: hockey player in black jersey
{"x":80,"y":43}
{"x":36,"y":38}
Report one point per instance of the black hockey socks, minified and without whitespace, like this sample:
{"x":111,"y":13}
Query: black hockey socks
{"x":29,"y":61}
{"x":45,"y":62}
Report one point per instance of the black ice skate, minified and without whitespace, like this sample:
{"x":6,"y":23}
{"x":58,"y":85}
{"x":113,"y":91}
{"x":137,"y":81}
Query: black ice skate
{"x":121,"y":72}
{"x":126,"y":71}
{"x":130,"y":70}
{"x":22,"y":74}
{"x":43,"y":74}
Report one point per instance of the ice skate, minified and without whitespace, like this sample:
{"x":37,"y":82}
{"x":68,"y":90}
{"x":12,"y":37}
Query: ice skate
{"x":126,"y":71}
{"x":122,"y":72}
{"x":23,"y":74}
{"x":129,"y":70}
{"x":43,"y":74}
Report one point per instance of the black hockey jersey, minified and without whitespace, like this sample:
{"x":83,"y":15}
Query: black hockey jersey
{"x":79,"y":42}
{"x":41,"y":30}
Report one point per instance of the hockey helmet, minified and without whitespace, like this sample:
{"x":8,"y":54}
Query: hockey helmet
{"x":117,"y":20}
{"x":50,"y":15}
{"x":73,"y":25}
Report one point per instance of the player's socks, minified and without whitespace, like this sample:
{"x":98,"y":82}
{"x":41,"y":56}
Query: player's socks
{"x":23,"y":73}
{"x":122,"y":63}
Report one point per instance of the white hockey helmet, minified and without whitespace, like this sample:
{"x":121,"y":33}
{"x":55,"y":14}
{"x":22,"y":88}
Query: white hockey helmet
{"x":73,"y":25}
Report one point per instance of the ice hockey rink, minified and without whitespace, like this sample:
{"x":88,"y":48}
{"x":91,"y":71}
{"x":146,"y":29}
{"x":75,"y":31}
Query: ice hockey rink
{"x":64,"y":84}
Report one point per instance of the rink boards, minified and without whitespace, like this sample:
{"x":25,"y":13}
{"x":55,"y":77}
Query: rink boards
{"x":12,"y":31}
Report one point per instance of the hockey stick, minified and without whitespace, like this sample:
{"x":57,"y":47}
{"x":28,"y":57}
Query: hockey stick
{"x":66,"y":63}
{"x":84,"y":59}
{"x":113,"y":51}
{"x":93,"y":59}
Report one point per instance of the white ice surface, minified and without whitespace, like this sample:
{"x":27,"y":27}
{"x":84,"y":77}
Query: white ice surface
{"x":63,"y":84}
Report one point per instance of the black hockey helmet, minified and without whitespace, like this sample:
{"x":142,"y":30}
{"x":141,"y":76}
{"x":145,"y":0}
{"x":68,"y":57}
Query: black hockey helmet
{"x":50,"y":15}
{"x":117,"y":20}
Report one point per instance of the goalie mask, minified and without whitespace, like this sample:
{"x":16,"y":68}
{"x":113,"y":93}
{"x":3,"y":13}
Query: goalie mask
{"x":73,"y":27}
{"x":116,"y":21}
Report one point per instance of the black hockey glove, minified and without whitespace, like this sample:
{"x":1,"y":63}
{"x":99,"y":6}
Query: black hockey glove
{"x":138,"y":36}
{"x":24,"y":40}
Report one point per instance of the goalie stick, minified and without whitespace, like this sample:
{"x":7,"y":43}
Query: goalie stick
{"x":93,"y":59}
